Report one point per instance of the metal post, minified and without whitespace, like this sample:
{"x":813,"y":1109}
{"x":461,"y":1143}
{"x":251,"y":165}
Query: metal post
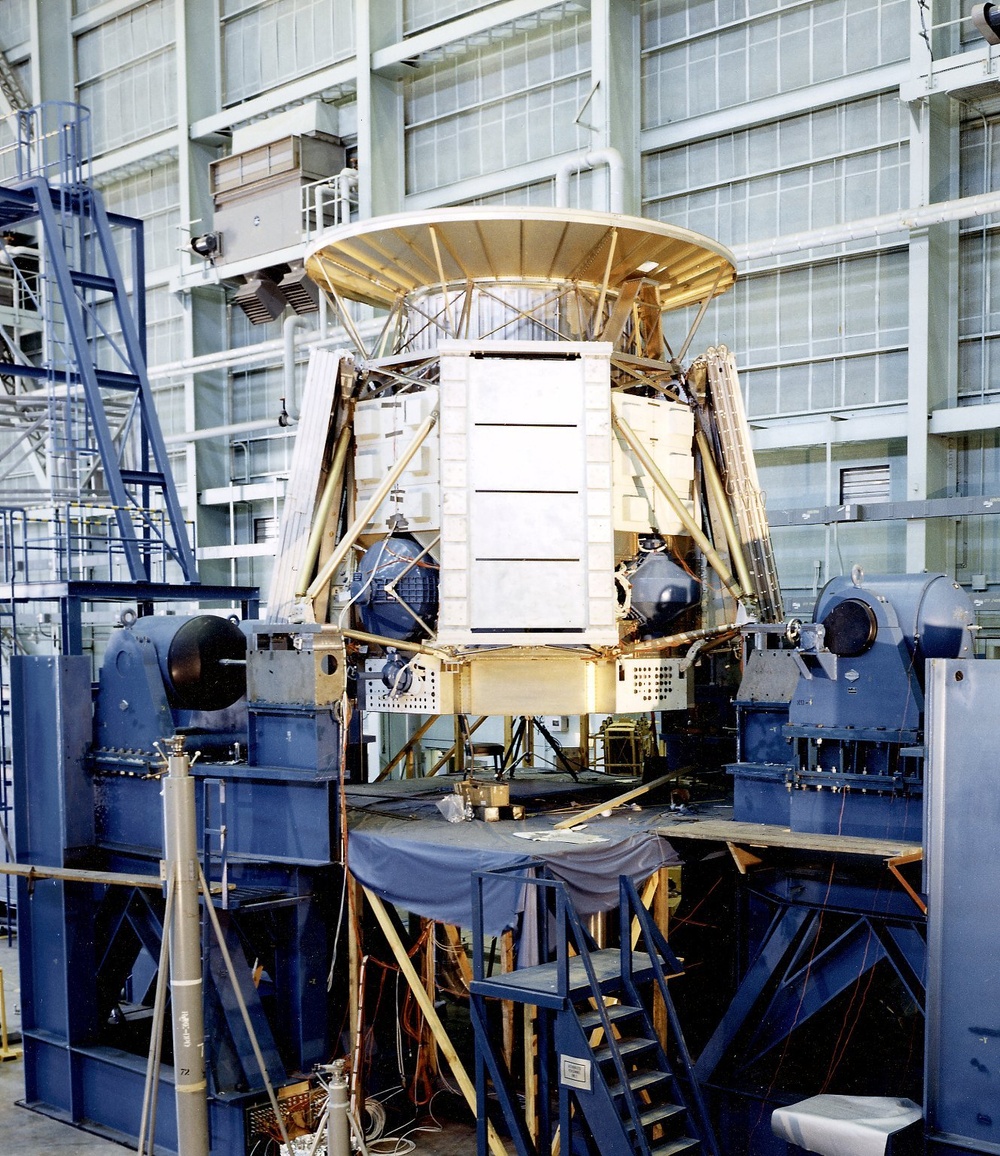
{"x":181,"y":850}
{"x":338,"y":1134}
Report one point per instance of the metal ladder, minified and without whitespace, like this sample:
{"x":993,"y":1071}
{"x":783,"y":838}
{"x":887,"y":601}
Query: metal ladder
{"x":104,"y":443}
{"x":616,"y":1081}
{"x":732,"y":432}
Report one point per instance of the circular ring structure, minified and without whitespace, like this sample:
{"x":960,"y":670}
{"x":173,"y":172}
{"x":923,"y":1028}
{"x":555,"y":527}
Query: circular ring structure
{"x":382,"y":259}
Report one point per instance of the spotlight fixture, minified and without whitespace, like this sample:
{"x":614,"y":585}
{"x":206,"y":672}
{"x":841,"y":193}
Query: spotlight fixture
{"x":986,"y":18}
{"x":208,"y":245}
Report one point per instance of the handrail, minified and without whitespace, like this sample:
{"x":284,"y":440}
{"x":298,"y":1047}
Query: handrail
{"x":567,"y":924}
{"x":656,"y":943}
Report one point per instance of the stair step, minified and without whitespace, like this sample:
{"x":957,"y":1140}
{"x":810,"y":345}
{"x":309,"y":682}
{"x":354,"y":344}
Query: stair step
{"x":673,"y":1147}
{"x":638,"y":1082}
{"x":616,"y":1011}
{"x":658,"y":1114}
{"x":625,"y":1048}
{"x":539,"y":985}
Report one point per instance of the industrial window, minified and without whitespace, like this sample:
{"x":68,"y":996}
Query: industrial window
{"x":13,"y":22}
{"x":818,"y":338}
{"x":127,"y":75}
{"x":153,"y":197}
{"x":256,"y":393}
{"x":698,"y":58}
{"x":499,"y":106}
{"x":8,"y":155}
{"x":171,"y":409}
{"x":538,"y":193}
{"x":268,"y":42}
{"x":164,"y":320}
{"x":864,"y":484}
{"x":420,"y":14}
{"x":979,"y":266}
{"x":265,"y":529}
{"x":824,"y":167}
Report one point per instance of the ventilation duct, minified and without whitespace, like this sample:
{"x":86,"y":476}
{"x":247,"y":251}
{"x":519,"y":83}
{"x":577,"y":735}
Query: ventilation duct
{"x":299,"y":290}
{"x":261,"y":299}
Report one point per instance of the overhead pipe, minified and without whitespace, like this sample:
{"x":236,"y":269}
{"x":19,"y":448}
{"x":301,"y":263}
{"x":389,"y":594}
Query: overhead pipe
{"x":920,"y":217}
{"x":581,"y":162}
{"x":347,"y":179}
{"x":682,"y":512}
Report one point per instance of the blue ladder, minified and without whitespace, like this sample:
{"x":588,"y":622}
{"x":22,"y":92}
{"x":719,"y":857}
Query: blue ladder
{"x":96,"y":344}
{"x":596,"y":1037}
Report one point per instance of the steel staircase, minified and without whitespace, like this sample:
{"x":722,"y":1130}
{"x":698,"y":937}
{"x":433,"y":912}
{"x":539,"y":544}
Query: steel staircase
{"x":619,"y":1091}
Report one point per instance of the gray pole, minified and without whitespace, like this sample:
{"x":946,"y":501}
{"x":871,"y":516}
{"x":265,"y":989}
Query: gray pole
{"x":181,"y":849}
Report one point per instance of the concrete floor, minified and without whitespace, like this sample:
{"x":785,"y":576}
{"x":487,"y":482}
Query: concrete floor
{"x":25,"y":1133}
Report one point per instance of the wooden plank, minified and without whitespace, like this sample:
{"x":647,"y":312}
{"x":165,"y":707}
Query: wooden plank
{"x":407,"y":748}
{"x":430,"y":986}
{"x":766,"y":835}
{"x":427,"y":1007}
{"x":507,"y":1007}
{"x":74,"y":875}
{"x":454,"y":938}
{"x":610,"y":804}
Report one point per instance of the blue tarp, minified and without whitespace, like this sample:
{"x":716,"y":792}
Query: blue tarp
{"x":425,"y":865}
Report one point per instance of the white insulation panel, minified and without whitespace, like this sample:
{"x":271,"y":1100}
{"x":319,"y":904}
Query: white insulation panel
{"x":666,"y":429}
{"x":526,"y":536}
{"x":383,"y":428}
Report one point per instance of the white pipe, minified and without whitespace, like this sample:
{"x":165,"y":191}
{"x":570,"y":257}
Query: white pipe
{"x":266,"y":353}
{"x":288,"y":362}
{"x":218,"y":431}
{"x":580,"y":162}
{"x":347,"y":179}
{"x":982,"y":204}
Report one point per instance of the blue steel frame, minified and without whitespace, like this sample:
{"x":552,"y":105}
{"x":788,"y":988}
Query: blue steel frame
{"x":76,"y":809}
{"x":76,"y":230}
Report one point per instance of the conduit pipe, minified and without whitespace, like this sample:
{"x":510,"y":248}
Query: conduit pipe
{"x":920,"y":217}
{"x":347,"y":179}
{"x":356,"y":528}
{"x":674,"y":640}
{"x":682,"y":512}
{"x":186,"y":997}
{"x":581,"y":162}
{"x":288,"y":362}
